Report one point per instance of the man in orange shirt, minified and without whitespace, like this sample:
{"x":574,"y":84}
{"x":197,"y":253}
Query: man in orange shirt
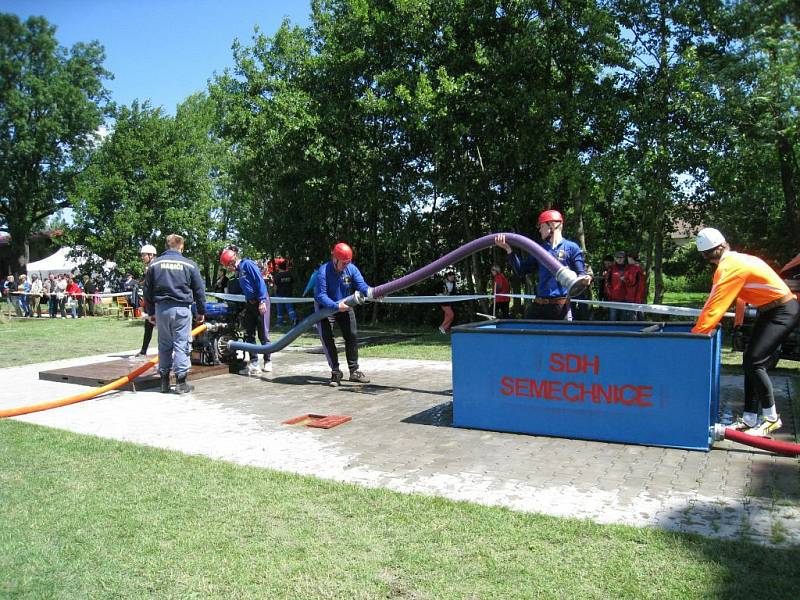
{"x":752,"y":280}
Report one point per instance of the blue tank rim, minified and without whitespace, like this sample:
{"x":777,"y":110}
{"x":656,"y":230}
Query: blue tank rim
{"x":480,"y":327}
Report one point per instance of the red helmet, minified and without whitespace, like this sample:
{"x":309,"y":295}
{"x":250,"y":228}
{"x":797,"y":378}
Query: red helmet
{"x":550,"y":215}
{"x":227,"y":257}
{"x":342,"y":251}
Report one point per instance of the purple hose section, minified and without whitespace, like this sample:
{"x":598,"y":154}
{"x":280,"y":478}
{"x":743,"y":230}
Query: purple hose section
{"x":487,"y":241}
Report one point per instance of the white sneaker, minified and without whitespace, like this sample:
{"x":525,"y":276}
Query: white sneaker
{"x":250,"y":369}
{"x":267,"y":366}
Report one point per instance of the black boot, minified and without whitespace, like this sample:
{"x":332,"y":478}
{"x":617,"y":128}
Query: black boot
{"x":165,"y":383}
{"x":336,"y":378}
{"x":183,"y":387}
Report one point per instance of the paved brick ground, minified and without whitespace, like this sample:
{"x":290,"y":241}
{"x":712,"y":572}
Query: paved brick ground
{"x":400,"y":438}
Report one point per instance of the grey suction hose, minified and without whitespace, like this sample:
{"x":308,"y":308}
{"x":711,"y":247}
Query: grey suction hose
{"x":294,"y":332}
{"x":565,"y":276}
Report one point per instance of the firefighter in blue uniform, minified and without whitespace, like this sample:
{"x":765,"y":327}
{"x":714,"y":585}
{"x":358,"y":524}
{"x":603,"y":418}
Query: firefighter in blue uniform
{"x":336,"y":280}
{"x":256,"y":306}
{"x":172,"y":284}
{"x":551,"y":302}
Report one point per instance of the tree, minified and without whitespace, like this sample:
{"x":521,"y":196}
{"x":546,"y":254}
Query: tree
{"x":52,"y":101}
{"x":154,"y":175}
{"x":753,"y":59}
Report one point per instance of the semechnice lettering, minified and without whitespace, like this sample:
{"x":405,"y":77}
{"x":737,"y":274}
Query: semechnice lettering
{"x":577,"y":392}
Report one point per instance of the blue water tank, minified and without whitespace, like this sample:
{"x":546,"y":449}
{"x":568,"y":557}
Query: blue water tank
{"x":625,"y":382}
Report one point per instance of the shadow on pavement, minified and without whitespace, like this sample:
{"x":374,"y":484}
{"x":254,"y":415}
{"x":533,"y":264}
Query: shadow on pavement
{"x":371,"y":389}
{"x":440,"y":415}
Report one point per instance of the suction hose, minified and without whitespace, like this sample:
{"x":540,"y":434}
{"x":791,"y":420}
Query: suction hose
{"x":786,"y":448}
{"x":565,"y":276}
{"x":117,"y":383}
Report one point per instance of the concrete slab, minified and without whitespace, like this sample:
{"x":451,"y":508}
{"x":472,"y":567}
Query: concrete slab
{"x":401,"y":438}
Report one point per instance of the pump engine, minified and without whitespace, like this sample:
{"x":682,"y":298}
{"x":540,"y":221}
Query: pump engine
{"x":223,"y":325}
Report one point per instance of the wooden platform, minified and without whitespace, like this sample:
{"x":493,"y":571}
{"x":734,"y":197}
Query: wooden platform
{"x":100,"y":374}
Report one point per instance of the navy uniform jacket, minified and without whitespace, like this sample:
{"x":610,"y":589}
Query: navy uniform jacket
{"x":172,"y":277}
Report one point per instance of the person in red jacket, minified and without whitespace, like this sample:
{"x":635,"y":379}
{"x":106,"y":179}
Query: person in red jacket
{"x":639,"y":290}
{"x":500,"y":287}
{"x":73,"y":292}
{"x":618,"y":286}
{"x":752,"y":280}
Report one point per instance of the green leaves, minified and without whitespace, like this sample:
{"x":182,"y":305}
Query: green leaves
{"x":51,"y":102}
{"x":152,"y":176}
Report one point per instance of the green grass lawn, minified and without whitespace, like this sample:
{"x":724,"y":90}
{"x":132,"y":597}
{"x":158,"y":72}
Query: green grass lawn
{"x":84,"y":517}
{"x":89,"y":518}
{"x":25,"y":341}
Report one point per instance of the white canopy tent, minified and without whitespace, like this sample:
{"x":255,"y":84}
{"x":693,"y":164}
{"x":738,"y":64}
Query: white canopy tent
{"x":60,"y":262}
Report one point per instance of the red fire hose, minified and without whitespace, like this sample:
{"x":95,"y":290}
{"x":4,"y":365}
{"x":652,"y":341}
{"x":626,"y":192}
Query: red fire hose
{"x":786,"y":448}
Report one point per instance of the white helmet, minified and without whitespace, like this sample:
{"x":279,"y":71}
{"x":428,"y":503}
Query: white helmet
{"x":148,"y":249}
{"x":709,"y":238}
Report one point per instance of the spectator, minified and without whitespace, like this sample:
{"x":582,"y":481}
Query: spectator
{"x":221,"y":284}
{"x":284,"y":283}
{"x":25,"y":288}
{"x":608,"y":261}
{"x":618,"y":286}
{"x":582,"y":311}
{"x":90,"y":291}
{"x":37,"y":289}
{"x":449,"y":288}
{"x":131,"y":286}
{"x":9,"y":287}
{"x":47,"y":287}
{"x":638,"y":290}
{"x":500,"y":286}
{"x":73,"y":293}
{"x":312,"y":282}
{"x":147,"y":253}
{"x":61,"y":294}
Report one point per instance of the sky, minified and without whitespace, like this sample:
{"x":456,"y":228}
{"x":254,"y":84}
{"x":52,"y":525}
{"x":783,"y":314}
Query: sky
{"x":161,"y":50}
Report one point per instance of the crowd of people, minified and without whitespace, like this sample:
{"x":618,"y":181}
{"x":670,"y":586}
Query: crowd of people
{"x":56,"y":296}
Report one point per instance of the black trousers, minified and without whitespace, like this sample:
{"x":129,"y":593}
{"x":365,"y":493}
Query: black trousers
{"x":501,"y":310}
{"x":349,"y":328}
{"x":548,"y":312}
{"x":770,"y":329}
{"x":148,"y":335}
{"x":255,"y":323}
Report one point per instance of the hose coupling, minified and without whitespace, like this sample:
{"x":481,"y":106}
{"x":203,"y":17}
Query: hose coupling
{"x":717,"y":432}
{"x":574,"y":284}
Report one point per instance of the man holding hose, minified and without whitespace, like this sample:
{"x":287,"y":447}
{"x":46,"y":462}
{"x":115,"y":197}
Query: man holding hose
{"x":336,"y":280}
{"x":552,"y":301}
{"x":752,"y":280}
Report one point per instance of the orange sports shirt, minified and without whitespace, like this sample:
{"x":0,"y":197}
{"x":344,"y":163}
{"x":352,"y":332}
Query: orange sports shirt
{"x":742,"y":275}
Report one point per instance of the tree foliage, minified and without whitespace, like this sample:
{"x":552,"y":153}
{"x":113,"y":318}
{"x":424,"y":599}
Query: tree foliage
{"x":409,"y":127}
{"x":154,"y":175}
{"x":52,"y":101}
